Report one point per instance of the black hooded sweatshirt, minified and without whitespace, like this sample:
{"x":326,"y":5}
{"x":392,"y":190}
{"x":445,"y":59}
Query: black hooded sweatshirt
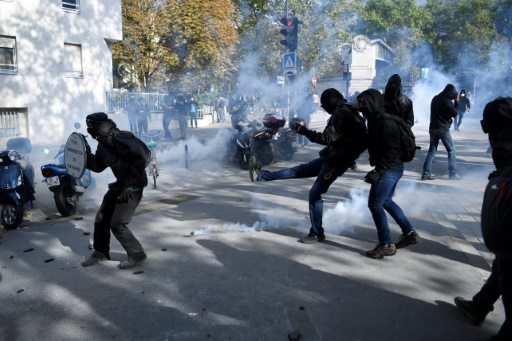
{"x":120,"y":151}
{"x":443,"y":110}
{"x":344,"y":136}
{"x":396,"y":103}
{"x":383,"y":132}
{"x":496,"y":212}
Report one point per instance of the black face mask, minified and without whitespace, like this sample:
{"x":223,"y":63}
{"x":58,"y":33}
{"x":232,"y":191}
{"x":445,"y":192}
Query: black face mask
{"x":99,"y":129}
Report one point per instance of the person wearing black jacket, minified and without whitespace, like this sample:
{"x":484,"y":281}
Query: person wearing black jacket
{"x":496,"y":221}
{"x":396,"y":103}
{"x":384,"y":151}
{"x":344,"y":138}
{"x":443,"y":108}
{"x":464,"y":105}
{"x":126,"y":156}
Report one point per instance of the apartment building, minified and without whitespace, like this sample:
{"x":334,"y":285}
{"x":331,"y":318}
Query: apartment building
{"x":55,"y":65}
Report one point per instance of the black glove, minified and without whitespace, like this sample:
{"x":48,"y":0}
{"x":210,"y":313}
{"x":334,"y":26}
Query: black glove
{"x":372,"y":177}
{"x":299,"y":128}
{"x":126,"y":195}
{"x":87,"y":147}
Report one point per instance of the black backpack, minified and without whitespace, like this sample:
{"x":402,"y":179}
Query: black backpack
{"x":408,"y":145}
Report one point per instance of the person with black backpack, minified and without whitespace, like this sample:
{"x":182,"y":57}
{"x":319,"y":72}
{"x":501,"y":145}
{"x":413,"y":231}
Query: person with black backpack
{"x":496,"y":221}
{"x":385,"y":150}
{"x":344,"y":139}
{"x":127,"y":156}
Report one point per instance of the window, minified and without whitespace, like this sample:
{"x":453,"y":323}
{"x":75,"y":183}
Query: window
{"x":73,"y":60}
{"x":71,"y":5}
{"x":8,"y":62}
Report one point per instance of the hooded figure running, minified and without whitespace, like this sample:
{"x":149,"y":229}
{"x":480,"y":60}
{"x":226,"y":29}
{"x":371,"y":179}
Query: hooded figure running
{"x":396,"y":103}
{"x":443,"y":108}
{"x":126,"y":155}
{"x":344,"y":138}
{"x":384,"y":149}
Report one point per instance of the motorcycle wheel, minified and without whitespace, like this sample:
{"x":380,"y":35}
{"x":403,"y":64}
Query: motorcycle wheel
{"x":266,"y":153}
{"x":12,"y":215}
{"x":65,"y":201}
{"x":288,"y":153}
{"x":243,"y":161}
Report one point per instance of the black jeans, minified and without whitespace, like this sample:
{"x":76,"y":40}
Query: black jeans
{"x":114,"y":216}
{"x":498,"y":284}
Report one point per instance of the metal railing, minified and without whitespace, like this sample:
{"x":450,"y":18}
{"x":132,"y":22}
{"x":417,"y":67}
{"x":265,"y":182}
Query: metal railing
{"x":117,"y":102}
{"x":9,"y":123}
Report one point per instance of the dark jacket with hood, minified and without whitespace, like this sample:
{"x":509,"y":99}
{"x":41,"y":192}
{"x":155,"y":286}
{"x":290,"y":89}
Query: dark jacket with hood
{"x":443,"y":110}
{"x":345,"y":135}
{"x":395,"y":102}
{"x":120,"y":151}
{"x":464,"y":102}
{"x":496,"y":212}
{"x":383,"y":132}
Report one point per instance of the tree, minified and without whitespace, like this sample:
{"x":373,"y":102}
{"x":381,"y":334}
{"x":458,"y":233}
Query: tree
{"x":403,"y":25}
{"x":143,"y":51}
{"x":203,"y":39}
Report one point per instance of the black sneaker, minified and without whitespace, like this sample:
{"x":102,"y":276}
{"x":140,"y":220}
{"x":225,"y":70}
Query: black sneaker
{"x":312,"y":238}
{"x":427,"y":177}
{"x":408,"y":239}
{"x":131,"y":262}
{"x":381,"y":250}
{"x":96,"y":258}
{"x":476,"y":316}
{"x":254,"y":169}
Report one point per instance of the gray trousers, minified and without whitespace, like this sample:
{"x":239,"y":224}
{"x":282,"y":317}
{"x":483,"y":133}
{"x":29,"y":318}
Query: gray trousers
{"x":115,"y":217}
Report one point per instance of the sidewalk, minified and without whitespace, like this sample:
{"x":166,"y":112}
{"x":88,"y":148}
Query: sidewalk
{"x":243,"y":275}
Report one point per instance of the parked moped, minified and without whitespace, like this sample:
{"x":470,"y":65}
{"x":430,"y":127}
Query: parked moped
{"x":16,"y":182}
{"x":66,"y":189}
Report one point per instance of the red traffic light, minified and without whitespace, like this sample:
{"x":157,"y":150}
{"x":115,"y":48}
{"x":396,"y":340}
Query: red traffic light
{"x":287,"y":22}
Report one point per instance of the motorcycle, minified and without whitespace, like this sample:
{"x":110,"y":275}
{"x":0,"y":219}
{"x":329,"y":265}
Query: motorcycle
{"x":240,"y":144}
{"x":16,"y":182}
{"x":274,"y":138}
{"x":66,"y":189}
{"x":287,"y":144}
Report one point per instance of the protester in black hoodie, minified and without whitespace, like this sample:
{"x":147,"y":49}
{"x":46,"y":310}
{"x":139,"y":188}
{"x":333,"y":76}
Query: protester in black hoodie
{"x":496,"y":221}
{"x":443,"y":108}
{"x":344,"y":138}
{"x":464,"y":105}
{"x":126,"y":156}
{"x":384,"y":150}
{"x":396,"y":103}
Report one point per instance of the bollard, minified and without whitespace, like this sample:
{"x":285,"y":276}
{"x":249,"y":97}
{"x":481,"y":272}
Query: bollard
{"x":186,"y":156}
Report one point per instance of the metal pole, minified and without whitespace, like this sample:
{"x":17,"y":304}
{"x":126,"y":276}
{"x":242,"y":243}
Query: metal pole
{"x":186,"y":156}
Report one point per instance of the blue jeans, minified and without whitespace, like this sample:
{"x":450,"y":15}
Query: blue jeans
{"x":457,"y":120}
{"x":446,"y":139}
{"x":325,"y":174}
{"x":380,"y":201}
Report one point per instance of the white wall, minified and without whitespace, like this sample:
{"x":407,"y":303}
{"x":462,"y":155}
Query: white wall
{"x":53,"y":101}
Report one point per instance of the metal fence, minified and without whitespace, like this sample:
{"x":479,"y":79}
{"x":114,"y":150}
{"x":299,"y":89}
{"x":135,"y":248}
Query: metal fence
{"x":9,"y":122}
{"x":117,"y":102}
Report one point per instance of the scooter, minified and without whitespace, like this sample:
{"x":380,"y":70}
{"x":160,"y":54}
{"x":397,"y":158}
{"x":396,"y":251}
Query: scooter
{"x":15,"y":186}
{"x":287,"y":143}
{"x":66,"y":189}
{"x":240,"y":145}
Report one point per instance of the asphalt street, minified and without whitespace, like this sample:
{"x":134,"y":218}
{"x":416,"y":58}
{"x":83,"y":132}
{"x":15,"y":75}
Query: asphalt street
{"x":224,"y":261}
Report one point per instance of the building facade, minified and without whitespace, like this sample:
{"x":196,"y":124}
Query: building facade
{"x":55,"y":65}
{"x":361,"y":65}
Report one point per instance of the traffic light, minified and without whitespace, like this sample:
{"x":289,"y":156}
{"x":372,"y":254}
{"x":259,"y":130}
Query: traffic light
{"x":290,"y":33}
